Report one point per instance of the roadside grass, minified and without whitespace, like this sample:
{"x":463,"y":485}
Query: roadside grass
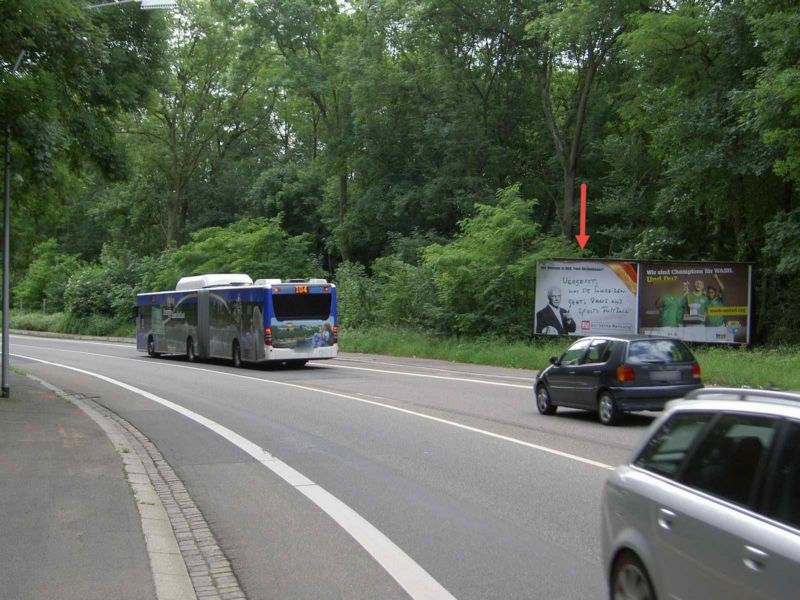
{"x":492,"y":351}
{"x":753,"y":367}
{"x":64,"y":323}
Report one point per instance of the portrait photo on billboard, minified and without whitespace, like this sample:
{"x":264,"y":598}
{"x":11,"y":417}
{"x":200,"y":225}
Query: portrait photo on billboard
{"x":697,"y":302}
{"x":585,"y":297}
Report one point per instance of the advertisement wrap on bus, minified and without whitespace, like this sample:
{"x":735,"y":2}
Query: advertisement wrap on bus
{"x":230,"y":316}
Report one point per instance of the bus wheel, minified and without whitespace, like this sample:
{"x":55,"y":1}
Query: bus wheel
{"x":237,"y":355}
{"x":151,"y":347}
{"x":190,"y":355}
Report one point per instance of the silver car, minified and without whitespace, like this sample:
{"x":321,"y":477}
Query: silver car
{"x":709,"y":506}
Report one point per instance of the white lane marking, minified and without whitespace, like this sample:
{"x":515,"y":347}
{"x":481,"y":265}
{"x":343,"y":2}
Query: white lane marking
{"x":442,"y":369}
{"x":412,"y":578}
{"x":337,"y":366}
{"x":444,"y":377}
{"x":491,"y":434}
{"x":66,"y":341}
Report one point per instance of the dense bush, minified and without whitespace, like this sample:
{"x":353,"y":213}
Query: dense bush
{"x":47,"y":277}
{"x":356,"y":295}
{"x":106,"y":288}
{"x":486,"y":277}
{"x":259,"y":247}
{"x":482,"y":283}
{"x":407,"y":294}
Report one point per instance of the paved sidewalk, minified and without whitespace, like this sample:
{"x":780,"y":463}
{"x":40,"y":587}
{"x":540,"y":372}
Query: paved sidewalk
{"x":69,"y":528}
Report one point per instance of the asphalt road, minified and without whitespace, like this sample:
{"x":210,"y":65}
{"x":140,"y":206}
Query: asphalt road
{"x":452,"y":463}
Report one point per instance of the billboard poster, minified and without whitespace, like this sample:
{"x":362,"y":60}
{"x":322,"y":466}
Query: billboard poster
{"x":696,"y":302}
{"x":585,"y":297}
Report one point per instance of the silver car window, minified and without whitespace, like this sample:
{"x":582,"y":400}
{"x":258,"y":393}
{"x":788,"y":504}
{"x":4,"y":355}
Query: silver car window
{"x":783,"y":500}
{"x":667,"y":449}
{"x":727,"y":461}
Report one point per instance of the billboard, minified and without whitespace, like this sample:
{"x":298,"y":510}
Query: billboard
{"x":696,"y":302}
{"x":585,"y":297}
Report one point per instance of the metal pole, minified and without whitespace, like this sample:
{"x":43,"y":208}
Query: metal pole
{"x":6,"y":389}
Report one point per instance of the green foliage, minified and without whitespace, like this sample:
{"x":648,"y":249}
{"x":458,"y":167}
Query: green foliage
{"x":80,"y":71}
{"x":356,"y":295}
{"x":47,"y":276}
{"x":486,"y":277}
{"x":67,"y":323}
{"x":406,"y":293}
{"x":772,"y":105}
{"x":106,"y":288}
{"x":259,"y":247}
{"x":90,"y":293}
{"x":37,"y":321}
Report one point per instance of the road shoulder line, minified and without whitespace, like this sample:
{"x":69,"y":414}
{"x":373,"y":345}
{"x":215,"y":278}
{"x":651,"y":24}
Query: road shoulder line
{"x":185,"y":559}
{"x":415,"y":580}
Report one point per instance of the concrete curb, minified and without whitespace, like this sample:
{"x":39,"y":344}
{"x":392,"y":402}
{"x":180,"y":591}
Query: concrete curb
{"x":185,"y":559}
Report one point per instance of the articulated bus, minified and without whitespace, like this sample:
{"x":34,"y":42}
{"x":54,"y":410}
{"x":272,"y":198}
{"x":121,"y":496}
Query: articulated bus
{"x":230,"y":316}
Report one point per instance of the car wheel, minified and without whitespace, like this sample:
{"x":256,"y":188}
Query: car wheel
{"x":237,"y":355}
{"x":190,"y":355}
{"x":543,"y":402}
{"x":629,"y":579}
{"x":607,"y":409}
{"x":151,"y":347}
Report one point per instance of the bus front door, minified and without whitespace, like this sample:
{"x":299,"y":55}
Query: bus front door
{"x":202,"y":324}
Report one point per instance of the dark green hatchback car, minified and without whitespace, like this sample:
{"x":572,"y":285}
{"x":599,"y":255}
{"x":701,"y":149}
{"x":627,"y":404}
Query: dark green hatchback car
{"x":611,"y":375}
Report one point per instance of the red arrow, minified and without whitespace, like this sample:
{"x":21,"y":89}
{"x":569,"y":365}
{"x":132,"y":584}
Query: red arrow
{"x":583,"y":238}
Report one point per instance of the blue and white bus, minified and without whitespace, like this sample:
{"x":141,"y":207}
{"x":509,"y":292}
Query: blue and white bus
{"x":230,"y":316}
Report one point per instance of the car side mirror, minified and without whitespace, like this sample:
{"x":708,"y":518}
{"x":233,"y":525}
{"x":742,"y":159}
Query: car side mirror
{"x":554,"y":360}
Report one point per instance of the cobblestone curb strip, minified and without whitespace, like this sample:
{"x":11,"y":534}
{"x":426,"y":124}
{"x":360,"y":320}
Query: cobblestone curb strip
{"x":186,"y":560}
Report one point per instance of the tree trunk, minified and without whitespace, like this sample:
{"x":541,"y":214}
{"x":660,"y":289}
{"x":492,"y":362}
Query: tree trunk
{"x":344,"y":234}
{"x":172,"y":222}
{"x":568,"y":202}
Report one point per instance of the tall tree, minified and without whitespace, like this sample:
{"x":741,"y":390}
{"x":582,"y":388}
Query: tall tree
{"x":574,"y":41}
{"x":215,"y":94}
{"x":81,"y":69}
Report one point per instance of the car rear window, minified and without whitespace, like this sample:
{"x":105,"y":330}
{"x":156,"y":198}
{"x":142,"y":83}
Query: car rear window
{"x":658,"y":351}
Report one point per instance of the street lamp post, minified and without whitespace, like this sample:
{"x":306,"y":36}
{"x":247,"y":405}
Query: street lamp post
{"x":6,"y":389}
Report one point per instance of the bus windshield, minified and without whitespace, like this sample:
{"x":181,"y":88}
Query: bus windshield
{"x":293,"y":307}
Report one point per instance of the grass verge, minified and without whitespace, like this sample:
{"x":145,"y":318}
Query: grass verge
{"x":65,"y":323}
{"x":754,"y":367}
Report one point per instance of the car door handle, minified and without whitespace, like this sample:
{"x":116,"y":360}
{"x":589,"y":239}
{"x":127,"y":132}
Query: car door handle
{"x":572,"y":372}
{"x":755,"y":559}
{"x":596,"y":372}
{"x":666,"y":518}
